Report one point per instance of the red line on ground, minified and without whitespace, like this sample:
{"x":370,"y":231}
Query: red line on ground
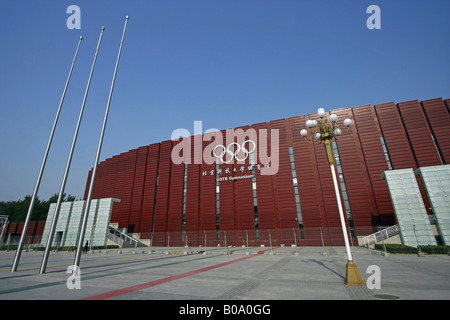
{"x":145,"y":285}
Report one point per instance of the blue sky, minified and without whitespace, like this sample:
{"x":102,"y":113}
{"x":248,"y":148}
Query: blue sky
{"x":226,"y":63}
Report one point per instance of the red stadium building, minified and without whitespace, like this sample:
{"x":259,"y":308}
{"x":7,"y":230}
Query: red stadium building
{"x":282,"y":193}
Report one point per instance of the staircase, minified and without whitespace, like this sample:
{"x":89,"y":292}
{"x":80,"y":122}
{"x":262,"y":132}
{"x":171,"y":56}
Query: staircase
{"x":4,"y":221}
{"x":381,"y":235}
{"x":123,"y":240}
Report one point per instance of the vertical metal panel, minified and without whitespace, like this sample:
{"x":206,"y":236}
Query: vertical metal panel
{"x":243,"y":192}
{"x":395,"y":136}
{"x":175,"y":203}
{"x":265,"y":190}
{"x":397,"y":140}
{"x":311,"y":197}
{"x":138,"y":189}
{"x":376,"y":162}
{"x":116,"y":189}
{"x":31,"y":228}
{"x":192,"y":195}
{"x":111,"y":180}
{"x":162,"y":194}
{"x":12,"y":227}
{"x":88,"y":183}
{"x":40,"y":228}
{"x":227,"y":218}
{"x":284,"y":191}
{"x":360,"y":196}
{"x":20,"y":227}
{"x":99,"y":180}
{"x":207,"y":212}
{"x":150,"y":186}
{"x":419,"y":133}
{"x":439,"y":118}
{"x":447,"y":103}
{"x":124,"y":186}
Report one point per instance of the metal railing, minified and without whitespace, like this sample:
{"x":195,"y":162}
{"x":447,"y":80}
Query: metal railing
{"x":251,"y":238}
{"x":115,"y":239}
{"x":4,"y":221}
{"x":123,"y":239}
{"x":381,"y":235}
{"x":325,"y":237}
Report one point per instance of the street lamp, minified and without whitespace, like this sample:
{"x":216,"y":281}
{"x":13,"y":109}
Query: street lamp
{"x":326,"y":130}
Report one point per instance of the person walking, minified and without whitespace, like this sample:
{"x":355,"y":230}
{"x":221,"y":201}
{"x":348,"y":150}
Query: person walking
{"x":86,"y":246}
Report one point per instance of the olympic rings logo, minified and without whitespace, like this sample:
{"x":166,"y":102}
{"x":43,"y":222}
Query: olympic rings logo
{"x":234,"y":155}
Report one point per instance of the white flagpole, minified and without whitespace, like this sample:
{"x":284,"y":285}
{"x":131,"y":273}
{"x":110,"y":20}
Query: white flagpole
{"x":97,"y":157}
{"x":69,"y":160}
{"x":41,"y":171}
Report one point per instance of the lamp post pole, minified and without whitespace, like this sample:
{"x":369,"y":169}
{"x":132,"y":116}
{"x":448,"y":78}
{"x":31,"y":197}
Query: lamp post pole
{"x":326,"y":130}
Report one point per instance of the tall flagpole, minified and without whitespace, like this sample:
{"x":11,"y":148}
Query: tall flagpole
{"x":69,"y":160}
{"x":97,"y":157}
{"x":41,"y":171}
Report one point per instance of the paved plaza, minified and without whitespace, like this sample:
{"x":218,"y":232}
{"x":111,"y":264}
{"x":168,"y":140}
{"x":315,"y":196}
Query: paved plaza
{"x":254,"y":274}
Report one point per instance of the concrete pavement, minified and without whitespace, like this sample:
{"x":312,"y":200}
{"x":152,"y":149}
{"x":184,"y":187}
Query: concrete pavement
{"x":222,"y":274}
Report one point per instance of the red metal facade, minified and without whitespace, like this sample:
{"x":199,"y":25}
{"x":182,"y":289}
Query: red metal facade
{"x":171,"y":201}
{"x":34,"y":231}
{"x":375,"y":161}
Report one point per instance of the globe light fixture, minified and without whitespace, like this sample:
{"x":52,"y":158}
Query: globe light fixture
{"x":348,"y":122}
{"x":326,"y":130}
{"x":333,"y":118}
{"x":321,"y":112}
{"x":304,"y":132}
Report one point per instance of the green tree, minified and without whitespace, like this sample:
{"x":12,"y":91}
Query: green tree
{"x":17,"y":210}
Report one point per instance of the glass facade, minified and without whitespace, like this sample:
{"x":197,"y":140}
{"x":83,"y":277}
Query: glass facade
{"x":70,"y":219}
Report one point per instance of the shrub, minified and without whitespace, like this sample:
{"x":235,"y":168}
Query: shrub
{"x":396,"y":248}
{"x":400,"y":248}
{"x":435,"y":249}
